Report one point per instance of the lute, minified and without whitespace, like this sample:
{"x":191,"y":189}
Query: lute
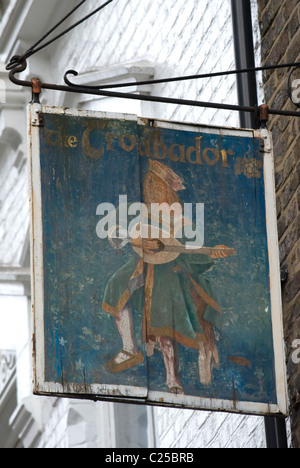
{"x":170,"y":248}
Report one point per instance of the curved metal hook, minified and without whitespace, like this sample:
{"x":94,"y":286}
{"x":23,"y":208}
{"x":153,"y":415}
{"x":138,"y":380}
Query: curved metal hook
{"x":115,"y":85}
{"x":73,"y":85}
{"x":18,"y":64}
{"x":14,"y":62}
{"x":66,"y":79}
{"x":290,"y":87}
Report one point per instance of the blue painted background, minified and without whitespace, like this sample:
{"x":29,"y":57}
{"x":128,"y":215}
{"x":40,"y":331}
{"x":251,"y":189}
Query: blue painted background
{"x":80,"y":337}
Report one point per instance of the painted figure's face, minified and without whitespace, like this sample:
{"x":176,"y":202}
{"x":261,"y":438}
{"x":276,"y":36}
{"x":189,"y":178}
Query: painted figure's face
{"x":155,"y":190}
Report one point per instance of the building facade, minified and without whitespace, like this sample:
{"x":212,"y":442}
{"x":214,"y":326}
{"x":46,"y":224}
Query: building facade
{"x":130,"y":41}
{"x":280,"y":39}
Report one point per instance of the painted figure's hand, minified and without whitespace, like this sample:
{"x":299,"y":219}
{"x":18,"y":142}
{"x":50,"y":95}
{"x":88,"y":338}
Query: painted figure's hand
{"x":150,"y":246}
{"x":220,"y":253}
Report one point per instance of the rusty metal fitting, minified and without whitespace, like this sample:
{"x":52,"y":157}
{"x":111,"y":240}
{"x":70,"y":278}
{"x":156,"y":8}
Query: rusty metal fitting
{"x":36,"y":85}
{"x":264,"y":113}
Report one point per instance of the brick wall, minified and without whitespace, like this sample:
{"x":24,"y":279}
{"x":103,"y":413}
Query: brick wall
{"x":180,"y":37}
{"x":191,"y":429}
{"x":280,"y":44}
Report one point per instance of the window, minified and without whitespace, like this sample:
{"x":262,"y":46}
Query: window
{"x":130,"y":73}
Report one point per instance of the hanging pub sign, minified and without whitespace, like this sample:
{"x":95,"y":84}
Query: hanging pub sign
{"x":155,"y":263}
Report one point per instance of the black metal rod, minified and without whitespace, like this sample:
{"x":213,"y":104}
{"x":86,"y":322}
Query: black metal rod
{"x":33,"y":49}
{"x":239,"y":71}
{"x":276,"y":436}
{"x":245,"y":58}
{"x":141,"y":97}
{"x":73,"y":26}
{"x":167,"y":100}
{"x":16,"y":60}
{"x":275,"y":427}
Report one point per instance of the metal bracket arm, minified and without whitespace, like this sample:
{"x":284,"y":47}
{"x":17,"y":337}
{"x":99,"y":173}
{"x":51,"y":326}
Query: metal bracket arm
{"x":18,"y":64}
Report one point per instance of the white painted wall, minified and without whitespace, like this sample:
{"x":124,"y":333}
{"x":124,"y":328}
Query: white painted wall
{"x":173,"y":38}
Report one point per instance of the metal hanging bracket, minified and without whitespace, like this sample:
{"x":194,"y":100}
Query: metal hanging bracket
{"x":36,"y":89}
{"x":263,"y":115}
{"x":18,"y":64}
{"x":37,"y":86}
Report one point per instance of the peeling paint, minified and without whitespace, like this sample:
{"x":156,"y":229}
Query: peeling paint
{"x":75,"y":338}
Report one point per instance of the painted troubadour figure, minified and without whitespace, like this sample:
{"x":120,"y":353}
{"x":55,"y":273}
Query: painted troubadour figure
{"x":166,"y":285}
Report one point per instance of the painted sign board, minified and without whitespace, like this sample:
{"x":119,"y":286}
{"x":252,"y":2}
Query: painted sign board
{"x":155,"y":263}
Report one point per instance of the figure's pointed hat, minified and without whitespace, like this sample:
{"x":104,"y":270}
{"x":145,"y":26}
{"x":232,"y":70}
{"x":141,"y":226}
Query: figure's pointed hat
{"x":167,"y":175}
